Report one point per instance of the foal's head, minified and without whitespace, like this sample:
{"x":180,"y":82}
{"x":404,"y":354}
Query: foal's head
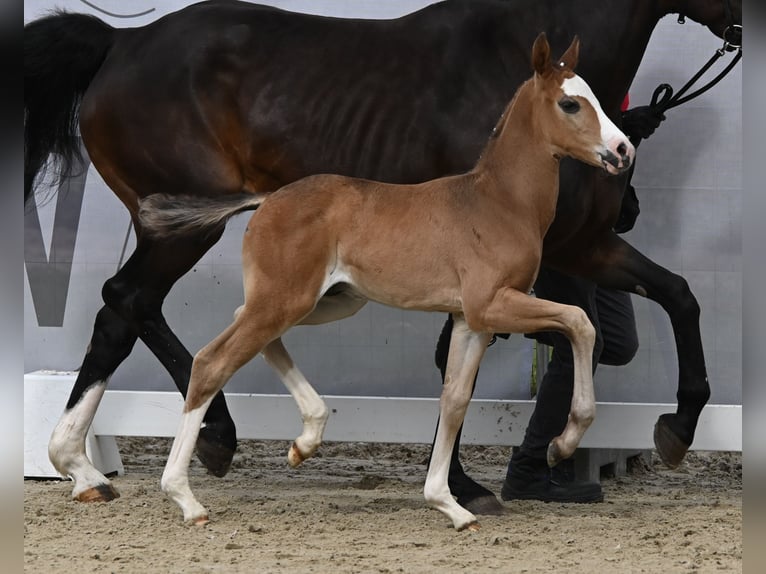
{"x":569,"y":115}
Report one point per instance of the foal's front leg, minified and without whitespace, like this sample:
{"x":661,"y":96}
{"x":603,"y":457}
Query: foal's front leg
{"x":466,"y":350}
{"x":512,"y":311}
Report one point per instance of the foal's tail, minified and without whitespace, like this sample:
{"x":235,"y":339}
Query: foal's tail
{"x":62,"y":53}
{"x":163,"y":216}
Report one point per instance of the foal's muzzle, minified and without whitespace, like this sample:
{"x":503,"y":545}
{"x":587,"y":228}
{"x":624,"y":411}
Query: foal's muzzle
{"x":619,"y":159}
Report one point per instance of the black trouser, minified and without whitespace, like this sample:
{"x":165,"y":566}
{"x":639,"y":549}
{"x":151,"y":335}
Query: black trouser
{"x":611,"y":313}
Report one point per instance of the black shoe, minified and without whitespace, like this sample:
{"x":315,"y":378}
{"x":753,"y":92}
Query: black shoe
{"x":538,"y":484}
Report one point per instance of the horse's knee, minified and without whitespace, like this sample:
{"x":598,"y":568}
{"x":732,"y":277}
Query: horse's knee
{"x":581,"y":328}
{"x":686,"y":305}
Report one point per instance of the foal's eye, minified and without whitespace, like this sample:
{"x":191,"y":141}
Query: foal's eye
{"x":569,"y":105}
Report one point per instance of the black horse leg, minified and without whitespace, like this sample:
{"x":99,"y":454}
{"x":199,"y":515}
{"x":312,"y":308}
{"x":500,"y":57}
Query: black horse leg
{"x":629,"y":270}
{"x":136,"y":293}
{"x":470,"y":494}
{"x":111,"y":343}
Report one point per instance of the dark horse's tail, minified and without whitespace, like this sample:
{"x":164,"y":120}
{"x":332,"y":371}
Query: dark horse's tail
{"x":62,"y":53}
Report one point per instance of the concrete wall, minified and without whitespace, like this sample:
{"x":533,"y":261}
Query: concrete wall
{"x":688,"y":179}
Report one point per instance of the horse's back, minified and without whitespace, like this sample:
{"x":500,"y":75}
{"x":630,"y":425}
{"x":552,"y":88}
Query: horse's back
{"x":225,"y":96}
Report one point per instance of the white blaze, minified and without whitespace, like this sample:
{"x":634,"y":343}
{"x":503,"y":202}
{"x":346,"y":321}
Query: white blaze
{"x":576,"y":86}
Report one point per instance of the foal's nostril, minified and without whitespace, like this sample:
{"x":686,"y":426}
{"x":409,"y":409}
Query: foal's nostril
{"x":622,"y":149}
{"x":623,"y":152}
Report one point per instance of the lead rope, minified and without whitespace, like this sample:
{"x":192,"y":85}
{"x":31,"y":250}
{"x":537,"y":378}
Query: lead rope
{"x":663,"y":98}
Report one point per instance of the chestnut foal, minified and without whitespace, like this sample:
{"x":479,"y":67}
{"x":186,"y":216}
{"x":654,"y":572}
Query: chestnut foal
{"x":318,"y":249}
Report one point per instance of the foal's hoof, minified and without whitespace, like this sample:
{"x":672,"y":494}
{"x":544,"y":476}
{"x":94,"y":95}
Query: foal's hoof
{"x":471,"y":527}
{"x":100,"y":493}
{"x":295,"y":456}
{"x":671,"y":448}
{"x":554,"y":456}
{"x":484,"y":505}
{"x":213,"y":454}
{"x":200,"y":521}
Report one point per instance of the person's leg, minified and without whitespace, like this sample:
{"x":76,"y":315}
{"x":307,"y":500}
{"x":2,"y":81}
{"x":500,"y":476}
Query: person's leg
{"x":528,"y":475}
{"x":618,"y":327}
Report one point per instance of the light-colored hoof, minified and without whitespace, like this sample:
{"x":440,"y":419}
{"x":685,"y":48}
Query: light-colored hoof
{"x":471,"y":527}
{"x":100,"y":493}
{"x":200,"y":521}
{"x":294,"y":456}
{"x":554,"y":454}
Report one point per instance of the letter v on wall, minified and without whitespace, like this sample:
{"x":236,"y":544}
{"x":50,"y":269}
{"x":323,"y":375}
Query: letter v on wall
{"x":49,"y":274}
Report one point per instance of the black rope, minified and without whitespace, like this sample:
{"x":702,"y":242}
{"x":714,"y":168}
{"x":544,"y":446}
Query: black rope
{"x":663,"y":97}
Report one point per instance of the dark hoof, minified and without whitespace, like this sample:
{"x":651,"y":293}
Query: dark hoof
{"x":213,"y":454}
{"x":671,"y":448}
{"x":485,"y":505}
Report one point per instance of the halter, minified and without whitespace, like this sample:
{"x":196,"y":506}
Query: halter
{"x":663,"y":98}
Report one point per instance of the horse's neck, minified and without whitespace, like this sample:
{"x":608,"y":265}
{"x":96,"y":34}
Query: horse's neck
{"x":613,"y":44}
{"x":622,"y":56}
{"x":518,"y":168}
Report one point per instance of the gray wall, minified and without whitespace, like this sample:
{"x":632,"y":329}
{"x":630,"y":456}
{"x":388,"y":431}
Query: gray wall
{"x":688,"y":179}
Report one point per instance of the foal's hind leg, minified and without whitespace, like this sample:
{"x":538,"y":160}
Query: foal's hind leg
{"x":253,"y":329}
{"x":314,"y":411}
{"x":213,"y":366}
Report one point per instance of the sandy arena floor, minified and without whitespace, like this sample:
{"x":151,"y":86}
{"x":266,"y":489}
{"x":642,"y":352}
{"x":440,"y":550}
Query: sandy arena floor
{"x":359,"y":508}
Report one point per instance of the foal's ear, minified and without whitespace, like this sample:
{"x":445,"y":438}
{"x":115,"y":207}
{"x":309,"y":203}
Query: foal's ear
{"x":541,"y":54}
{"x":569,"y":59}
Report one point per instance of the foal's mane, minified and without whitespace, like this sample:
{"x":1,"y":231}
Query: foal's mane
{"x":503,"y":121}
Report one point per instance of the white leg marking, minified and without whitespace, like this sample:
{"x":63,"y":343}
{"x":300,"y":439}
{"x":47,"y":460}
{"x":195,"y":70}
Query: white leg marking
{"x":465,"y":353}
{"x":66,"y":448}
{"x":175,"y":477}
{"x":583,"y":407}
{"x":314,"y":411}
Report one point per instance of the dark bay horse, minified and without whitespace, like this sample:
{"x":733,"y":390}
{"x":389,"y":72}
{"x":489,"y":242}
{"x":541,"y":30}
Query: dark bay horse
{"x":226,"y":97}
{"x":329,"y":234}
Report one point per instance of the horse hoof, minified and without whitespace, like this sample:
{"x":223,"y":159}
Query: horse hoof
{"x":215,"y":456}
{"x":484,"y":505}
{"x":100,"y":493}
{"x":294,"y":456}
{"x":671,"y":448}
{"x":471,"y":527}
{"x":200,"y":521}
{"x":553,"y":455}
